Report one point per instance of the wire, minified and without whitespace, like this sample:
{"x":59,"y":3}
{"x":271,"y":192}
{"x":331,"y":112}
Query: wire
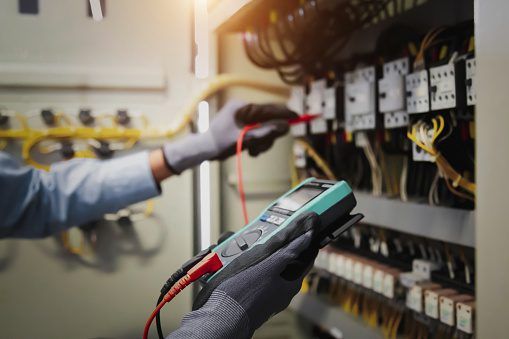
{"x":31,"y":137}
{"x":425,"y":137}
{"x":238,"y":157}
{"x":376,"y":172}
{"x":320,"y":162}
{"x":240,"y":181}
{"x":209,"y":264}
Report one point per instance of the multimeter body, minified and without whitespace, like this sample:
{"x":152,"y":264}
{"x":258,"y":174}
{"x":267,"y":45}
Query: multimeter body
{"x":332,"y":201}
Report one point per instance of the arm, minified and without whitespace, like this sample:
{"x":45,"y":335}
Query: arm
{"x":36,"y":203}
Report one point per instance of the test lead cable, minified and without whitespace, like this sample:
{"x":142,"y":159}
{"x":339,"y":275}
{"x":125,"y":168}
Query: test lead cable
{"x":209,"y":264}
{"x":238,"y":157}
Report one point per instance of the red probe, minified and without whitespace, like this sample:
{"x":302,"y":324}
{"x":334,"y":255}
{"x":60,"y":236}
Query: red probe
{"x":301,"y":119}
{"x":210,"y":264}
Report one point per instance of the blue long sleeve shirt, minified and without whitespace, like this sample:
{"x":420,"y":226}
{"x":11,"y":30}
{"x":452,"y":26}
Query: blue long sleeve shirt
{"x":35,"y":203}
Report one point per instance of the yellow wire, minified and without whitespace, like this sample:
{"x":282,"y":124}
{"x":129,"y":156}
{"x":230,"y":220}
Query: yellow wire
{"x":412,"y":136}
{"x":32,"y":137}
{"x":395,"y":326}
{"x":320,"y":162}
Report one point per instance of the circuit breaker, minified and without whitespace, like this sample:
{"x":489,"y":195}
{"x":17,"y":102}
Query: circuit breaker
{"x":443,"y":87}
{"x":360,"y":99}
{"x":391,"y":93}
{"x":315,"y":103}
{"x":417,"y":92}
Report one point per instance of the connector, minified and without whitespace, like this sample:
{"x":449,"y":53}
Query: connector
{"x":210,"y":264}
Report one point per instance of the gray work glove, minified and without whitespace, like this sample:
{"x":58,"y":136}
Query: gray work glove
{"x":255,"y":286}
{"x":219,"y":141}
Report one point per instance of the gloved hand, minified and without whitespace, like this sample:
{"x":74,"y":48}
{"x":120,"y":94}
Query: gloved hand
{"x":255,"y":286}
{"x":219,"y":141}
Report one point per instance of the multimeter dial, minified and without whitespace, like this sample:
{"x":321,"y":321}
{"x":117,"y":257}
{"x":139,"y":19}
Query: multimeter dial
{"x":241,"y":243}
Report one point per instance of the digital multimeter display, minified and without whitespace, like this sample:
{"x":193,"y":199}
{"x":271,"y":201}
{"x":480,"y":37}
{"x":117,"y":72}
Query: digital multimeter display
{"x":298,"y":198}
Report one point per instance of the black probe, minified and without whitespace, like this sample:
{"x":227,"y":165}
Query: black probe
{"x":182,"y":271}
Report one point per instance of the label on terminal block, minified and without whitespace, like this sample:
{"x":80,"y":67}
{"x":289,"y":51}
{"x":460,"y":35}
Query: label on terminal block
{"x":340,"y":265}
{"x":357,"y":272}
{"x":465,"y":317}
{"x":349,"y":269}
{"x":388,"y":286}
{"x":378,"y":281}
{"x":447,"y":311}
{"x":431,"y":304}
{"x":367,"y":277}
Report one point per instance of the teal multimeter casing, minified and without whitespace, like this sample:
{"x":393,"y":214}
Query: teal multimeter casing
{"x":332,"y":201}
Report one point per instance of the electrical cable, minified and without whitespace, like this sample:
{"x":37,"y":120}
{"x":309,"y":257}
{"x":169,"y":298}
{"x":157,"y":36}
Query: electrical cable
{"x":320,"y":162}
{"x":240,"y":181}
{"x":31,"y":137}
{"x":425,"y":137}
{"x":172,"y":280}
{"x":238,"y":158}
{"x":209,"y":264}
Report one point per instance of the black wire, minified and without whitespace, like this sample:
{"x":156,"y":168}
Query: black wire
{"x":314,"y":33}
{"x":172,"y":280}
{"x":167,"y":286}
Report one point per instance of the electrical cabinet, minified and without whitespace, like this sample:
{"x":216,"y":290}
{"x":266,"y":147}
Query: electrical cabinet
{"x":413,"y":97}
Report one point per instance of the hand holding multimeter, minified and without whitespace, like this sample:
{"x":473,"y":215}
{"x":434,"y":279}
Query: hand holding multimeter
{"x":256,"y":272}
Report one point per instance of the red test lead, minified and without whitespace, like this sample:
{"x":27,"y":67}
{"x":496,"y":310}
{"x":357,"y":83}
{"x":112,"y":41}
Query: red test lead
{"x":240,"y":182}
{"x":210,"y":264}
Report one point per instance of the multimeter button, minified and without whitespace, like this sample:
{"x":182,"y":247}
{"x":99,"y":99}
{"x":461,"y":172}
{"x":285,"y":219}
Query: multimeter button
{"x":274,"y":219}
{"x":279,"y":220}
{"x":264,"y":217}
{"x":231,"y":250}
{"x":252,"y":236}
{"x":241,"y":243}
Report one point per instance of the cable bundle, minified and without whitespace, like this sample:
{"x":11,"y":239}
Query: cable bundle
{"x":292,"y":41}
{"x":426,"y":136}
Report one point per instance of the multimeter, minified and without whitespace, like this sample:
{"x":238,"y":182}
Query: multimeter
{"x":332,"y":201}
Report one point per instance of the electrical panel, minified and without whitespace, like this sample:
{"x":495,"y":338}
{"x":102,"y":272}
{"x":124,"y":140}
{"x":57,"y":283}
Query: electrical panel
{"x":414,"y":71}
{"x":360,"y":99}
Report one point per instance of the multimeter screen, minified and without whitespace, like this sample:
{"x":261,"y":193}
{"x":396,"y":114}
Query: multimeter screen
{"x":298,"y":198}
